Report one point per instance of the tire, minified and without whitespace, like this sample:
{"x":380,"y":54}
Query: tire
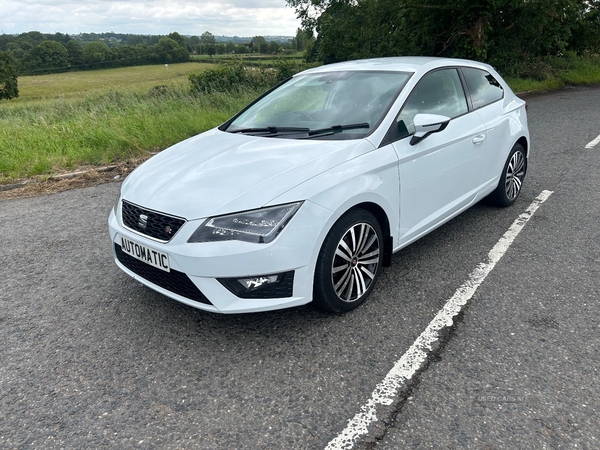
{"x":511,"y":180}
{"x":349,"y":262}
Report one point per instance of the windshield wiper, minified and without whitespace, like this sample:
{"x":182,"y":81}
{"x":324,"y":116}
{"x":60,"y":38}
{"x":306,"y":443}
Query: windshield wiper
{"x":275,"y":131}
{"x":337,"y":129}
{"x":271,"y":131}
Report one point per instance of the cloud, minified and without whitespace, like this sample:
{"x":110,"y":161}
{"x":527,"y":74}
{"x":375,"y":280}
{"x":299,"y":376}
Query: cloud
{"x":232,"y":17}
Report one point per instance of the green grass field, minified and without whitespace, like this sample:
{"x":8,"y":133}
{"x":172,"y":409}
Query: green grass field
{"x":76,"y":84}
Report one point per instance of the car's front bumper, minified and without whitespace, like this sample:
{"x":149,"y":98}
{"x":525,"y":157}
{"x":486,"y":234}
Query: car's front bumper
{"x":203,"y":264}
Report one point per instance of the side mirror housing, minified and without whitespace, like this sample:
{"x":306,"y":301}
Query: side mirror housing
{"x":425,"y":124}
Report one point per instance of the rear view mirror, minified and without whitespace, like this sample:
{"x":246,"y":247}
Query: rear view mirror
{"x":425,"y":124}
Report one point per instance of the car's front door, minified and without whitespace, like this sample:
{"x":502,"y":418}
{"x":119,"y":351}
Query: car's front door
{"x":441,"y":174}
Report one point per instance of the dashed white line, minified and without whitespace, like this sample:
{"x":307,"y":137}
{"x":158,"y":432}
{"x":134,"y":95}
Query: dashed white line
{"x":593,"y":143}
{"x":387,"y":390}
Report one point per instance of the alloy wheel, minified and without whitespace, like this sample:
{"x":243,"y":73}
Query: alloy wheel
{"x":355,"y":262}
{"x":515,"y":172}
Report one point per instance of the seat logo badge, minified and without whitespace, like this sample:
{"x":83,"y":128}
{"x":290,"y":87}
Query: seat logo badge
{"x":143,"y":222}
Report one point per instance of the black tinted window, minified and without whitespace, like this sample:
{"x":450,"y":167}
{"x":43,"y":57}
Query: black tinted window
{"x":484,"y":88}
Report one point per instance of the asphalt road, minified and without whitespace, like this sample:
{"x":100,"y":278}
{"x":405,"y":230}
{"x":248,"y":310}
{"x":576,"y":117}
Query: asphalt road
{"x":89,"y":358}
{"x":523,"y":367}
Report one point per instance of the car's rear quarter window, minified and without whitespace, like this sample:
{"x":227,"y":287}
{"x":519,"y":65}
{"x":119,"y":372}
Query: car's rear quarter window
{"x":483,"y":87}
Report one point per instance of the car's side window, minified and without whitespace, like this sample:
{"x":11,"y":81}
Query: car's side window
{"x":439,"y":92}
{"x":483,"y":87}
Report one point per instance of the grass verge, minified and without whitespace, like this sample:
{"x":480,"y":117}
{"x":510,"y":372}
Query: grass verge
{"x":46,"y":136}
{"x":554,"y":73}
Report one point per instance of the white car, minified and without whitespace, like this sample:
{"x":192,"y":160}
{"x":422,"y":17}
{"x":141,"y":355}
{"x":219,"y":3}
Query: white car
{"x":306,"y":193}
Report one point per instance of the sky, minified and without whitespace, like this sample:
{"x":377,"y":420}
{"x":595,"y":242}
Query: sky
{"x":226,"y":17}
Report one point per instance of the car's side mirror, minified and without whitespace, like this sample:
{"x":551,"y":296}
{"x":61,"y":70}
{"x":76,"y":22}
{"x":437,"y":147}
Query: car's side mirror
{"x":425,"y":124}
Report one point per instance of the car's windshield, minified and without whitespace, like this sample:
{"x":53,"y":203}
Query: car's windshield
{"x":334,"y":105}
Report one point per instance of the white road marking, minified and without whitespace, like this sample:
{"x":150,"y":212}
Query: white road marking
{"x":414,"y":358}
{"x":593,"y":143}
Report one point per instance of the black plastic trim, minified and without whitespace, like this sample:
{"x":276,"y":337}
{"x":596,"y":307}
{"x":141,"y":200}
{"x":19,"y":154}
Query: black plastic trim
{"x":174,"y":281}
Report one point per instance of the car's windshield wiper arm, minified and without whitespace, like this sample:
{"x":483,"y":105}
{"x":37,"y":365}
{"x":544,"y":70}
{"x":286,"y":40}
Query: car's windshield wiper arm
{"x":338,"y":128}
{"x":272,"y":130}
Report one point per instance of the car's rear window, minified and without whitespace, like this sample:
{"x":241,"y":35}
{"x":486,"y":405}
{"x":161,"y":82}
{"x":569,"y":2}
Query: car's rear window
{"x":483,"y":87}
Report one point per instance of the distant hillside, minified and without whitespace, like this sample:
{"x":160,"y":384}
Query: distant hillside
{"x":245,"y":40}
{"x":122,"y":38}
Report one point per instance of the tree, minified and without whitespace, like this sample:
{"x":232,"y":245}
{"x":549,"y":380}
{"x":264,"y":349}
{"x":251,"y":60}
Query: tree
{"x":29,"y":40}
{"x":75,"y":51}
{"x":135,"y":39}
{"x":47,"y":57}
{"x":242,"y":48}
{"x":8,"y":76}
{"x":207,"y":38}
{"x":586,"y":35}
{"x":229,"y":47}
{"x":300,"y":42}
{"x":144,"y":54}
{"x":259,"y":44}
{"x":193,"y":41}
{"x":169,"y":51}
{"x":211,"y":49}
{"x":15,"y":50}
{"x":208,"y":43}
{"x":62,"y":38}
{"x":125,"y":55}
{"x":274,"y":47}
{"x":342,"y":34}
{"x":221,"y":48}
{"x":179,"y":39}
{"x":96,"y":55}
{"x":506,"y":33}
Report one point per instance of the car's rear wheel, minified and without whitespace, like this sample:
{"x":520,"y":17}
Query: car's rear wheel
{"x":349,"y":262}
{"x":511,"y":180}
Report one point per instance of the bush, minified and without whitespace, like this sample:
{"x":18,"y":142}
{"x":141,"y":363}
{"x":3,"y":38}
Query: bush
{"x":231,"y":78}
{"x":287,"y":68}
{"x":537,"y":70}
{"x":235,"y":77}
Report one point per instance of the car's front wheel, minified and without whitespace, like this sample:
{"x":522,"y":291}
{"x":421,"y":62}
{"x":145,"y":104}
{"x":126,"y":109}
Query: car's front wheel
{"x":511,"y":180}
{"x":349,"y":262}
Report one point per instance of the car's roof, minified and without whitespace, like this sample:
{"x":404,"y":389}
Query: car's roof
{"x":399,"y":64}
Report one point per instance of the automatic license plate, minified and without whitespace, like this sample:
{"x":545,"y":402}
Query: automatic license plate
{"x":155,"y":258}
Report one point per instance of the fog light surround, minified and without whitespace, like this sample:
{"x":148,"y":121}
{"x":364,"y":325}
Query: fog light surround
{"x":277,"y":285}
{"x":251,"y":284}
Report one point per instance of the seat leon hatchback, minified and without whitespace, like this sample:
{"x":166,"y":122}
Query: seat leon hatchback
{"x":305,"y":194}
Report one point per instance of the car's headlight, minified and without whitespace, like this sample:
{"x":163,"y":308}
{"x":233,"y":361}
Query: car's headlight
{"x":259,"y":225}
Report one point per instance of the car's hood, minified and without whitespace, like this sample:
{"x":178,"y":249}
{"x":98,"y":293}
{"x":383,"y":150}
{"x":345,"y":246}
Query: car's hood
{"x":218,"y":173}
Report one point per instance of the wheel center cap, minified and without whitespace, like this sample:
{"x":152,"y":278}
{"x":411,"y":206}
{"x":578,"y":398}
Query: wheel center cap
{"x":354,"y":261}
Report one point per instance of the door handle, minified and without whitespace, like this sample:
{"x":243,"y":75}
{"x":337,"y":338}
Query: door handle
{"x":478,"y":139}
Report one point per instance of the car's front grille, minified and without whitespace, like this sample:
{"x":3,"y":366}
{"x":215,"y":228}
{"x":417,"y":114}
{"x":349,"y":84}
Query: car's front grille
{"x":159,"y":226}
{"x":174,"y":281}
